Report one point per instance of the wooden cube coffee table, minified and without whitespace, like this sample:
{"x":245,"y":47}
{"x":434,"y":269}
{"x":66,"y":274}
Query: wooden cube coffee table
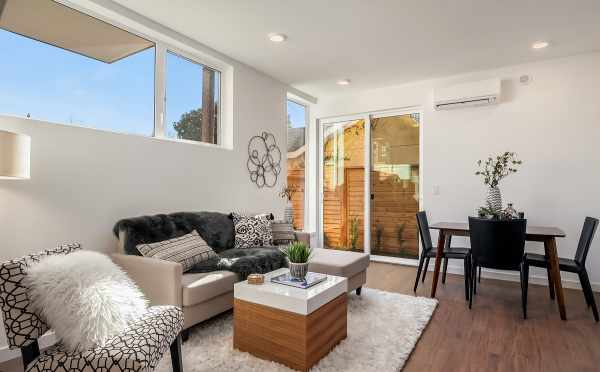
{"x":293,"y":326}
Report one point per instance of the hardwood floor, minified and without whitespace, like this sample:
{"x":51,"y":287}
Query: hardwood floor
{"x":492,"y":336}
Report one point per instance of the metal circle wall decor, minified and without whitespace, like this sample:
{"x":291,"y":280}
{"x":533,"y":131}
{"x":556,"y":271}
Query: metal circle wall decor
{"x":264,"y":160}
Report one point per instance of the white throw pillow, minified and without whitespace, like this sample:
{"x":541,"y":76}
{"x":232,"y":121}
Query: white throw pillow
{"x":84,"y":297}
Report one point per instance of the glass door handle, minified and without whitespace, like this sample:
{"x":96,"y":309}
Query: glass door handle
{"x":372,"y":196}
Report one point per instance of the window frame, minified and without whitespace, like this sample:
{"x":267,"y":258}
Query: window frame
{"x":190,"y":58}
{"x":157,"y":35}
{"x":306,"y":105}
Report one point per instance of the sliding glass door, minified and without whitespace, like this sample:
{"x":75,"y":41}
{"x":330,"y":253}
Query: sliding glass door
{"x":394,"y":180}
{"x":343,"y":170}
{"x":370,"y":184}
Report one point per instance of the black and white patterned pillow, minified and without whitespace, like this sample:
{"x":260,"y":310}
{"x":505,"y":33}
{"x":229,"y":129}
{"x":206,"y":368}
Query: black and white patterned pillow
{"x":188,"y":250}
{"x":252,"y":231}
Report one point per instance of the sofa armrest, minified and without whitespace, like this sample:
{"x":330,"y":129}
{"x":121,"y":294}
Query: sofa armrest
{"x":303,"y":236}
{"x":160,"y":280}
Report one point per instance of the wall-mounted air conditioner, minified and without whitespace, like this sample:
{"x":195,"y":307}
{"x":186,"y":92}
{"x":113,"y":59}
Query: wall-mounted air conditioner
{"x":479,"y":93}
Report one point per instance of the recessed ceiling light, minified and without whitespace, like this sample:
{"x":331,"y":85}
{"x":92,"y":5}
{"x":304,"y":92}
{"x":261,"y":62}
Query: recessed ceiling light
{"x":540,"y":44}
{"x":343,"y":82}
{"x":277,"y":38}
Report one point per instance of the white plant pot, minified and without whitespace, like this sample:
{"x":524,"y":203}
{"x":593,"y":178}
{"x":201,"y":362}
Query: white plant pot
{"x":298,"y":270}
{"x":288,"y":213}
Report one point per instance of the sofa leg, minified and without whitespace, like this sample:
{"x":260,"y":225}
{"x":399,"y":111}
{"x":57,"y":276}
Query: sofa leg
{"x":176,"y":355}
{"x":358,"y":290}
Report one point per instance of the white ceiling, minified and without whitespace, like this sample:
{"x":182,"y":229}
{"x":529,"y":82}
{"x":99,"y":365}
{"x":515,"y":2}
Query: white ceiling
{"x":379,"y":42}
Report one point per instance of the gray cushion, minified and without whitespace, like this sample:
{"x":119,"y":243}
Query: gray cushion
{"x":340,"y":263}
{"x":283,"y":232}
{"x":200,"y":287}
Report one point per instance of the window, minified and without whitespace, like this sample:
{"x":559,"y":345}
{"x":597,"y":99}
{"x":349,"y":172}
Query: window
{"x":191,"y":100}
{"x":61,"y":65}
{"x":84,"y":80}
{"x":296,"y":158}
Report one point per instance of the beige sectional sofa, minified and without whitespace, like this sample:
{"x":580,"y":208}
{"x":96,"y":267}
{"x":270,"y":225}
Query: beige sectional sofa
{"x":204,"y":295}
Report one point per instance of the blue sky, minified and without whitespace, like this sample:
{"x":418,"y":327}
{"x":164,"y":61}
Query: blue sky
{"x":52,"y":84}
{"x":296,"y":114}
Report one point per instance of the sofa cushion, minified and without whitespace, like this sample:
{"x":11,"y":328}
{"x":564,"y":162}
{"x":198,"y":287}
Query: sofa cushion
{"x":340,"y":263}
{"x":252,"y":230}
{"x":187,"y":250}
{"x":283,"y":232}
{"x":199,"y":287}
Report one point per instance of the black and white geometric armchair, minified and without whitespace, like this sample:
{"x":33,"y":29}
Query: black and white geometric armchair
{"x":138,"y":348}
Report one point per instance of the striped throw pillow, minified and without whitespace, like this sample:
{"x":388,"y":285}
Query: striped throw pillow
{"x":187,"y":250}
{"x":283,"y":232}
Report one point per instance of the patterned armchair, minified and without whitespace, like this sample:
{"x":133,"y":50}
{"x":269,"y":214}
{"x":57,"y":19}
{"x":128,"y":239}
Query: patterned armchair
{"x":138,"y":348}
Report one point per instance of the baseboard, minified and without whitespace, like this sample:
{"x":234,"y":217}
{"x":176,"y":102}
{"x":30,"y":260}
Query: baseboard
{"x":491,"y":274}
{"x":45,"y":341}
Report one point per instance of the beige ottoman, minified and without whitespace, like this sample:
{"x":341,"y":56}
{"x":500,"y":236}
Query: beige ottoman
{"x":351,"y":265}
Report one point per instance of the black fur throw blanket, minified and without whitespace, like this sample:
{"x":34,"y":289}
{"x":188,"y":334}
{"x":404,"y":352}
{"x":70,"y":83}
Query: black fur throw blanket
{"x":244,"y":261}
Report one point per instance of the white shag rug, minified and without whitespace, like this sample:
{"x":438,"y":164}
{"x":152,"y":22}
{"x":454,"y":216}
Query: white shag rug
{"x":383,"y":329}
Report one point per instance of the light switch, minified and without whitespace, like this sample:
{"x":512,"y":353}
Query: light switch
{"x":436,"y":189}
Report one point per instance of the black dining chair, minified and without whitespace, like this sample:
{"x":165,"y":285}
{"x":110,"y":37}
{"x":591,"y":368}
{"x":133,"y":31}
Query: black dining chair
{"x":429,"y":252}
{"x":576,"y":265}
{"x":498,"y":244}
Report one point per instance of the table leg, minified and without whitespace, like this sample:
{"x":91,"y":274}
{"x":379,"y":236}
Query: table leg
{"x":554,"y":270}
{"x":438,"y":261}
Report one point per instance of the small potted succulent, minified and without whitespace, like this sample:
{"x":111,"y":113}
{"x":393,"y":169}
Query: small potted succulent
{"x":298,"y":254}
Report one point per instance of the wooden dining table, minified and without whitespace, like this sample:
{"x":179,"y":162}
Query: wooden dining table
{"x":546,"y":235}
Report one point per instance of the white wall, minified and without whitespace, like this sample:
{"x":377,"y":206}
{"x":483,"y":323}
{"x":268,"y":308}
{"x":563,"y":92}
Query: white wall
{"x":553,"y":124}
{"x":84,"y":180}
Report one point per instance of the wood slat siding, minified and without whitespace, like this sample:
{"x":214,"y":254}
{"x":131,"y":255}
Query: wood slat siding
{"x":295,"y":179}
{"x":394,"y":204}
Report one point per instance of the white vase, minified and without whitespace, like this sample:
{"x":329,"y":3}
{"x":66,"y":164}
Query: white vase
{"x":494,"y":198}
{"x":288,"y":213}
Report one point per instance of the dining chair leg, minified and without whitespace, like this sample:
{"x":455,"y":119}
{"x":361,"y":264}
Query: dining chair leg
{"x":472,"y":274}
{"x":479,"y":279}
{"x":585,"y":284}
{"x":421,"y":261}
{"x":586,"y":294}
{"x":466,"y":264}
{"x":474,"y":282}
{"x":445,"y":269}
{"x":425,"y":269}
{"x":524,"y":283}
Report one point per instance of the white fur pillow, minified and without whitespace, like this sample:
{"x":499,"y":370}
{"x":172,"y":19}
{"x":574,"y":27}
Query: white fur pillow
{"x":84,"y":297}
